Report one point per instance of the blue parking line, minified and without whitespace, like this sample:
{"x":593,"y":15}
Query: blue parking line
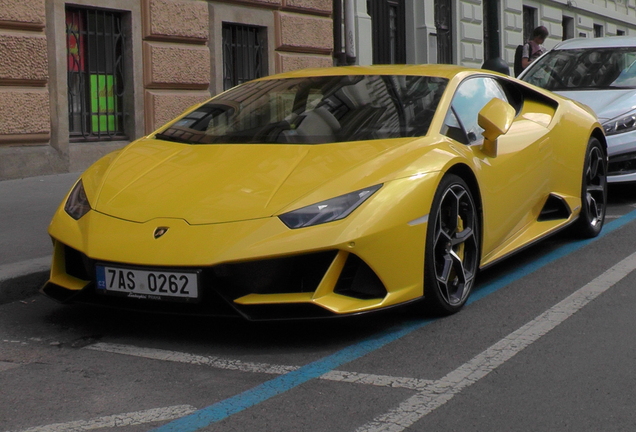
{"x":546,"y":259}
{"x":283,"y":383}
{"x":221,"y":410}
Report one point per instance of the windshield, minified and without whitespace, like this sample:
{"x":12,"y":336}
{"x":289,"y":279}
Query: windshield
{"x":591,"y":68}
{"x":314,"y":110}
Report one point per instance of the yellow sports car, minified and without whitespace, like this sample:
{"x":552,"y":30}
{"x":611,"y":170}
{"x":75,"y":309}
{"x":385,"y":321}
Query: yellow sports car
{"x":330,"y":192}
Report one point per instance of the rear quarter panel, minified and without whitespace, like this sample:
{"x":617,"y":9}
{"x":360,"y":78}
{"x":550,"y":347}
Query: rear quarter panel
{"x":572,"y":128}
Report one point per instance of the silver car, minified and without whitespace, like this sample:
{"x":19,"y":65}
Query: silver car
{"x":601,"y":73}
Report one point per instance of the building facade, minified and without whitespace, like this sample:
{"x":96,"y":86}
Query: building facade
{"x":454,"y":31}
{"x":81,"y":78}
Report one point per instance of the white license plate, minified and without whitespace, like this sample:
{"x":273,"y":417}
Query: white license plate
{"x":147,"y":284}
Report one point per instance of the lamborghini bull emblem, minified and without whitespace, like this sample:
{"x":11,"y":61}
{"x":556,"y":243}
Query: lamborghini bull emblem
{"x":159,"y":231}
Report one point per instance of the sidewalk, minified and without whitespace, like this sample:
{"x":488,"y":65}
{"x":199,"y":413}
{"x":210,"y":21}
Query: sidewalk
{"x":26,"y":208}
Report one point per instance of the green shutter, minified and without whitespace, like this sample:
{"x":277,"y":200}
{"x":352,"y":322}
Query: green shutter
{"x":103,"y":103}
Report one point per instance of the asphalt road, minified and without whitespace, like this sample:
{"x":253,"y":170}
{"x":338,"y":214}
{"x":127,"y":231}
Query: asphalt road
{"x":546,"y":343}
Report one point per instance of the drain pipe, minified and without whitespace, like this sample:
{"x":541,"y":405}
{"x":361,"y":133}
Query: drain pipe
{"x":349,"y":26}
{"x":338,"y":53}
{"x":495,"y":62}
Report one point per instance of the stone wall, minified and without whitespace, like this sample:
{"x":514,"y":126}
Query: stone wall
{"x":304,"y":35}
{"x":24,"y":95}
{"x":176,"y":58}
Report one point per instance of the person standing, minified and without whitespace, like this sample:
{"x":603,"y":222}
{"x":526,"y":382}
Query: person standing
{"x":534,"y":47}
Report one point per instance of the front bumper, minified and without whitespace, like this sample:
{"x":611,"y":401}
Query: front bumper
{"x":278,"y":288}
{"x":257,"y":269}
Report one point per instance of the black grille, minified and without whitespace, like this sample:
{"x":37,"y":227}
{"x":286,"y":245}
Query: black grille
{"x":220,"y":284}
{"x":623,"y":164}
{"x":300,"y":273}
{"x":359,"y":281}
{"x":77,"y":264}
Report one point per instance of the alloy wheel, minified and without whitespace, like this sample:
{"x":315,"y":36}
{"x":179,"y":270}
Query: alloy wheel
{"x":595,"y":186}
{"x":455,"y":245}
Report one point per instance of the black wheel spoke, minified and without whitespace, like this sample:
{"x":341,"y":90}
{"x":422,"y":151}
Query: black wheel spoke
{"x":595,"y":210}
{"x":462,"y":236}
{"x":593,"y":169}
{"x":444,"y":278}
{"x":598,"y":189}
{"x":452,"y":278}
{"x":445,"y":274}
{"x":458,"y":266}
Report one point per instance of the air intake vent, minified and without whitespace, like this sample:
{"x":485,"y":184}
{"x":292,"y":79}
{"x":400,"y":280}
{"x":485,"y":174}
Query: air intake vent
{"x":359,"y":281}
{"x":555,"y":208}
{"x":77,"y":264}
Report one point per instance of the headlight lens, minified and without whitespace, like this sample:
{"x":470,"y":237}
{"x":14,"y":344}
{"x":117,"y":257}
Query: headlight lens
{"x":622,"y":124}
{"x":328,"y":211}
{"x":77,"y":204}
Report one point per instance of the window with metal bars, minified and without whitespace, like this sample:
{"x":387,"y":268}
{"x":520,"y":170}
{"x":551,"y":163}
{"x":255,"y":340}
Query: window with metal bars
{"x":95,"y":44}
{"x":244,"y":58}
{"x":598,"y":30}
{"x":529,"y":22}
{"x":388,"y":24}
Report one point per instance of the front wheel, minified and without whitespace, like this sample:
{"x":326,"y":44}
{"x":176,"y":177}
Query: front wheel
{"x":452,"y":247}
{"x":593,"y":191}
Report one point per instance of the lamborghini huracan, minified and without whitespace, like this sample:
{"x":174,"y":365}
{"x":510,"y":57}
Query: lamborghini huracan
{"x":330,"y":192}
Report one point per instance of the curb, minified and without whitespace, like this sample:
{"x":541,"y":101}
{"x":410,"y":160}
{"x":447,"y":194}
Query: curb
{"x":23,"y":279}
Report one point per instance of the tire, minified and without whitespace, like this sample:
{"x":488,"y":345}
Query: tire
{"x":593,"y":191}
{"x":452,"y":247}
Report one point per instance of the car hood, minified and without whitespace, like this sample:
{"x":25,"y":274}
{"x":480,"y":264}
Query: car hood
{"x":607,"y":104}
{"x":221,"y":183}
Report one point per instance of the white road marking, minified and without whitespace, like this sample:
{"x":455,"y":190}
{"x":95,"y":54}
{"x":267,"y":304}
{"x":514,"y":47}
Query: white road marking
{"x":180,"y":357}
{"x":219,"y":363}
{"x":118,"y":420}
{"x":376,"y":380}
{"x":440,"y":392}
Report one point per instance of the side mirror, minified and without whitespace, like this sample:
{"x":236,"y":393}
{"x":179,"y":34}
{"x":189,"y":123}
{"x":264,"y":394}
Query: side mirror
{"x":495,"y":118}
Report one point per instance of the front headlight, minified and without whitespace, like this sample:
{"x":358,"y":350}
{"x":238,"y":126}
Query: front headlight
{"x":77,"y":204}
{"x":327,"y":211}
{"x":622,"y":124}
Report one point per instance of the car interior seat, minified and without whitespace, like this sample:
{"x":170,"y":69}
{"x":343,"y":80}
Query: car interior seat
{"x":316,"y":126}
{"x":360,"y":114}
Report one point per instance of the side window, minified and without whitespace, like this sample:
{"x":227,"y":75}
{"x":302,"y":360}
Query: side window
{"x":453,"y":129}
{"x":471,"y":96}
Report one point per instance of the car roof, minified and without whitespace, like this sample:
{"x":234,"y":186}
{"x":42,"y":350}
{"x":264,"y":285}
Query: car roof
{"x":602,"y":42}
{"x":435,"y":70}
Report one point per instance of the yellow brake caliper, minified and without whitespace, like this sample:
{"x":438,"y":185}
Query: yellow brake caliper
{"x":460,"y":247}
